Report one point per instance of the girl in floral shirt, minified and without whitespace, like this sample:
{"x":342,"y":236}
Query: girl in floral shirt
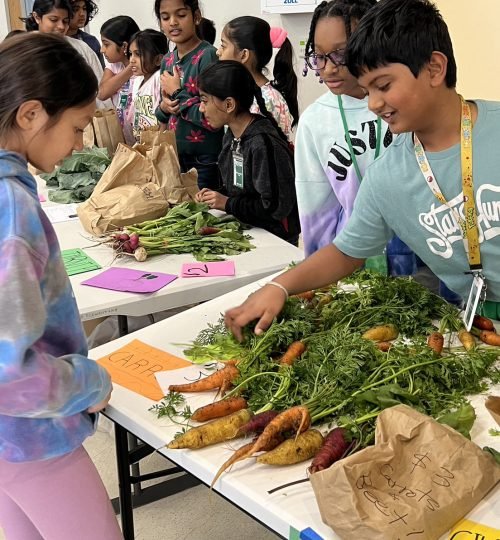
{"x":198,"y":144}
{"x":250,"y":41}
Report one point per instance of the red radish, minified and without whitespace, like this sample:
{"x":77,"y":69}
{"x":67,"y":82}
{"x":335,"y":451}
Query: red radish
{"x":206,"y":231}
{"x":134,"y":241}
{"x":335,"y":445}
{"x":127,"y":247}
{"x":123,"y":237}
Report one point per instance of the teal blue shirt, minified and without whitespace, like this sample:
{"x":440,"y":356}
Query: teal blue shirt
{"x":394,"y":198}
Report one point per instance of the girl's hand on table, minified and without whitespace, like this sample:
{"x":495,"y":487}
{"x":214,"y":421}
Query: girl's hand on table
{"x":214,"y":199}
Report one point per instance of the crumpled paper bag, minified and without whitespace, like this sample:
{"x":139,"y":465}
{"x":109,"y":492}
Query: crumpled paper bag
{"x":493,"y":406}
{"x":418,"y":480}
{"x":140,"y":184}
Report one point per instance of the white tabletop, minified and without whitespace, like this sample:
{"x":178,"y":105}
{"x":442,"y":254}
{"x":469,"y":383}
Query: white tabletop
{"x":247,"y":483}
{"x":271,"y":255}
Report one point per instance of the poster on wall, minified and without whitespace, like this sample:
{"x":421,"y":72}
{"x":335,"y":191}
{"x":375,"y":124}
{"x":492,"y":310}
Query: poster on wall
{"x":288,"y":6}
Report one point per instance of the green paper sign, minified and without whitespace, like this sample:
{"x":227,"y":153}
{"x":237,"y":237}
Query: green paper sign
{"x":77,"y":262}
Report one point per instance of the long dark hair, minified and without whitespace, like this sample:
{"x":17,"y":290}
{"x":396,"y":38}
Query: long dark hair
{"x":47,"y":59}
{"x":42,"y":7}
{"x":119,"y":29}
{"x":254,"y":34}
{"x":348,"y":10}
{"x":151,"y":44}
{"x":229,"y":78}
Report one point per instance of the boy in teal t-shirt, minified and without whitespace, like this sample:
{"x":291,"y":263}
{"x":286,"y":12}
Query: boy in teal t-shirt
{"x":402,"y":54}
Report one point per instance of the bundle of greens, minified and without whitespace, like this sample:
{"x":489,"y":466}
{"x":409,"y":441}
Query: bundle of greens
{"x":186,"y":228}
{"x":343,"y":377}
{"x":75,"y":179}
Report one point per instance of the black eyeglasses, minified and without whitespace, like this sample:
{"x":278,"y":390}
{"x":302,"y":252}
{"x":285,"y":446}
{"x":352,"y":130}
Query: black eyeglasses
{"x":318,"y":61}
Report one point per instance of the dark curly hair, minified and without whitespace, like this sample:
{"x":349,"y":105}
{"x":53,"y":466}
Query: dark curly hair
{"x":91,"y":8}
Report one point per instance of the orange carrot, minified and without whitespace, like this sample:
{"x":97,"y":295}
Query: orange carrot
{"x":384,"y":346}
{"x":466,"y":339}
{"x":293,"y":352}
{"x":219,"y":409}
{"x":307,"y":295}
{"x":216,"y":380}
{"x":490,"y":338}
{"x":483,"y":323}
{"x":242,"y":453}
{"x":297,"y":419}
{"x":436,"y":341}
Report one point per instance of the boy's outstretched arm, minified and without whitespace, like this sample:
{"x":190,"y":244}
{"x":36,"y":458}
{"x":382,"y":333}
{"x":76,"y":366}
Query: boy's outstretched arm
{"x":324,"y":267}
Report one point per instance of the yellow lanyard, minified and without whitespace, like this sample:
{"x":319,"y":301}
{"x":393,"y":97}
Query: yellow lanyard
{"x":467,"y":222}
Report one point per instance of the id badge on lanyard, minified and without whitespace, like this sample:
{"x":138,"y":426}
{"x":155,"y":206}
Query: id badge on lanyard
{"x":238,"y":176}
{"x":469,"y":226}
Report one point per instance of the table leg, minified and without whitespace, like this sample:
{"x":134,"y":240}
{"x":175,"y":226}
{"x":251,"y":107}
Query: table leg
{"x":122,"y":325}
{"x":124,"y":482}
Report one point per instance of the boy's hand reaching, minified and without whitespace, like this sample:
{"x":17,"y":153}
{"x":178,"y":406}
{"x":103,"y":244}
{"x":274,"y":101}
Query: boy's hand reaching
{"x":263,"y":305}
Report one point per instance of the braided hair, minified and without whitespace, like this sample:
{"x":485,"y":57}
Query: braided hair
{"x":348,"y":10}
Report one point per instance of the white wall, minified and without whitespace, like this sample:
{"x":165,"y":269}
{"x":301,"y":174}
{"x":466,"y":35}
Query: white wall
{"x":4,"y":19}
{"x":221,"y":11}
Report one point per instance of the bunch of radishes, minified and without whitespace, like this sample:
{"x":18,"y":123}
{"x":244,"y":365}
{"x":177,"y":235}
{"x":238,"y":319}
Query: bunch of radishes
{"x":124,"y":243}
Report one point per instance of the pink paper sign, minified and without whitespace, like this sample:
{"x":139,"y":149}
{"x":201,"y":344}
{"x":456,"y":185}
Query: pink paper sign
{"x":208,"y":269}
{"x":128,"y":280}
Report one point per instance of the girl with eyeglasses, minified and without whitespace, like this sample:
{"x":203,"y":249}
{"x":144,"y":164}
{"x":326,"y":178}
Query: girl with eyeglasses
{"x":338,"y":137}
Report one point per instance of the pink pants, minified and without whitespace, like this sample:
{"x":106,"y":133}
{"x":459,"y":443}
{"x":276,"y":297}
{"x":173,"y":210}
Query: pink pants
{"x":56,"y":499}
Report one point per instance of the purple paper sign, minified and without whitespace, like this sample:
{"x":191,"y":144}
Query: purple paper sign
{"x":127,"y":280}
{"x":208,"y":269}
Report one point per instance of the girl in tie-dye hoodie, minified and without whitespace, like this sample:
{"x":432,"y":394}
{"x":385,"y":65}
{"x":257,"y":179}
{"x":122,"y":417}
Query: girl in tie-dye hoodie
{"x":50,"y":391}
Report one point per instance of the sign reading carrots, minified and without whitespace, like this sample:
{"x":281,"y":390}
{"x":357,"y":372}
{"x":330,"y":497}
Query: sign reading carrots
{"x":134,"y":367}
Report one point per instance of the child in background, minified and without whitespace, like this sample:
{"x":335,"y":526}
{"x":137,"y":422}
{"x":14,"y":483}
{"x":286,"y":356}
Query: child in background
{"x":50,"y":391}
{"x":402,"y":54}
{"x":251,"y":40}
{"x":198,"y":143}
{"x":52,"y":17}
{"x":206,"y":30}
{"x":338,"y":136}
{"x":116,"y":84}
{"x":256,"y":163}
{"x":83,"y":12}
{"x":147,"y":49}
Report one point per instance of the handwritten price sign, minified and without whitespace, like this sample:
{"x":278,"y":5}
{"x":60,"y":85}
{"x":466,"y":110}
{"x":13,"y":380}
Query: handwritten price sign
{"x":209,"y":269}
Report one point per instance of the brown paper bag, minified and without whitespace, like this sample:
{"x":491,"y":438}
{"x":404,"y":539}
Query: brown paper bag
{"x":493,"y":406}
{"x":418,"y":480}
{"x":152,"y":136}
{"x":161,"y":148}
{"x":89,"y":136}
{"x":107,"y":128}
{"x":128,"y":192}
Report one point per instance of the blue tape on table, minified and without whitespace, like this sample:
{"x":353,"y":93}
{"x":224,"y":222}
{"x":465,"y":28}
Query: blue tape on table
{"x":310,"y":534}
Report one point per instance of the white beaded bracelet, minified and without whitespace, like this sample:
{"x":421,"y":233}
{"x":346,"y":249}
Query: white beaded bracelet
{"x":280,"y":286}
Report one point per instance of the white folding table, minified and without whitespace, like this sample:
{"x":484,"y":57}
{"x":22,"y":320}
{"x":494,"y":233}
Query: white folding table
{"x":289,"y":511}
